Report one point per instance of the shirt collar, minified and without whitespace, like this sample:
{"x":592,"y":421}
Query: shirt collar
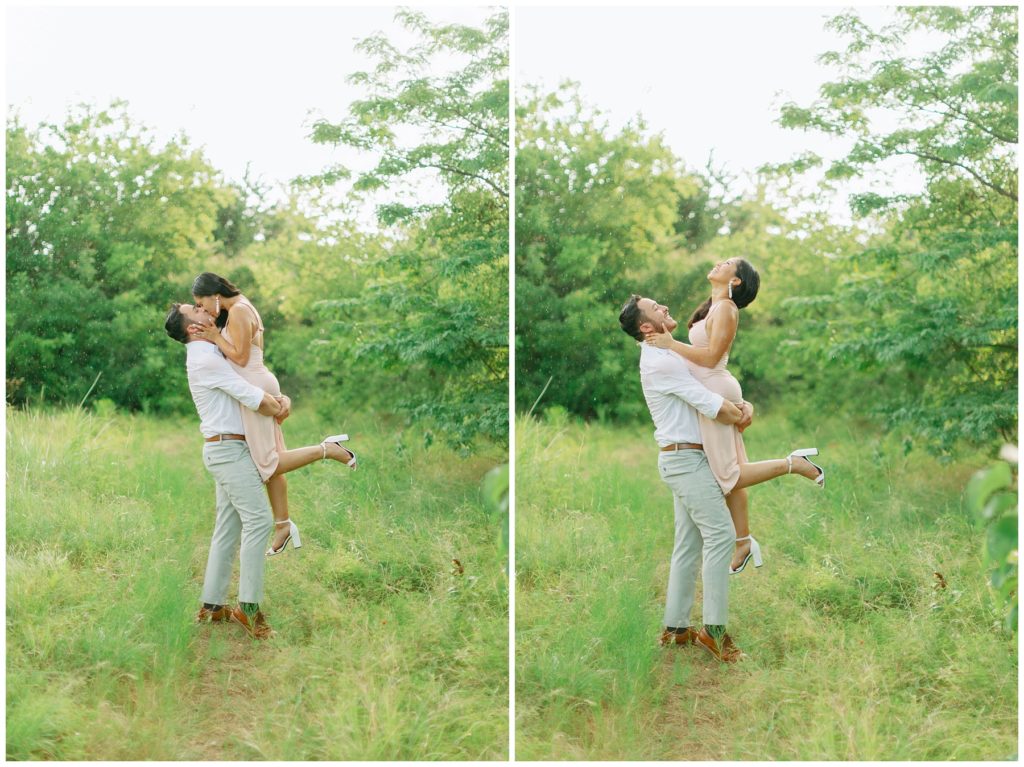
{"x":193,"y":348}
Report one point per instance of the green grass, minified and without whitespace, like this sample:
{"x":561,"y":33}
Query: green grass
{"x":856,"y":652}
{"x":382,"y":650}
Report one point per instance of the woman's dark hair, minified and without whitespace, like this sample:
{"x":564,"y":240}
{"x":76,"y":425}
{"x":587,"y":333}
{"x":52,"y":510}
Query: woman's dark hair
{"x":742,"y":294}
{"x":630,"y":318}
{"x":210,"y":284}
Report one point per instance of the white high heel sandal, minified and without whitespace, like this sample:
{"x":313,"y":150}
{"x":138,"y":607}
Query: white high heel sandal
{"x":293,"y":538}
{"x":804,"y":453}
{"x":338,"y":439}
{"x":755,"y":552}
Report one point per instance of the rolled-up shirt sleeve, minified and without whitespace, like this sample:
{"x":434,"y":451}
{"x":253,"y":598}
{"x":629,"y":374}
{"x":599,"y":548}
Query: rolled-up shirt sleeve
{"x":676,"y":379}
{"x":216,"y":373}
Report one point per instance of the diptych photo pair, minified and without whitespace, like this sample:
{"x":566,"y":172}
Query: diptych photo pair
{"x":511,"y":383}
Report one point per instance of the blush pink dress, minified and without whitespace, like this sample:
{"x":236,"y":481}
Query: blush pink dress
{"x":262,"y":433}
{"x":723,"y":444}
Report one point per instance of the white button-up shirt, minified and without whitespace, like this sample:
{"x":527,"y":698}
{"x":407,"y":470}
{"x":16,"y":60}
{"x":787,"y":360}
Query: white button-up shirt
{"x":217,"y":390}
{"x":674,"y":396}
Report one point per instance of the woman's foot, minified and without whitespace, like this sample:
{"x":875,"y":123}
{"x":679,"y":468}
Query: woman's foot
{"x":281,"y":534}
{"x":332,"y":449}
{"x":752,"y":552}
{"x":805,"y":468}
{"x":337,"y":452}
{"x":742,"y":550}
{"x":798,"y":463}
{"x":281,"y":540}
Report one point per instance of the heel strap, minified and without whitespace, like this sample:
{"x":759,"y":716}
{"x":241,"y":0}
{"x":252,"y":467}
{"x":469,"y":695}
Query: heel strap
{"x":746,"y":538}
{"x":284,"y":522}
{"x":789,"y":463}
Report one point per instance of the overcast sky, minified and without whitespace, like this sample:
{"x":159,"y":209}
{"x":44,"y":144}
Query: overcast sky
{"x":709,"y":79}
{"x":240,"y":81}
{"x":243,"y":82}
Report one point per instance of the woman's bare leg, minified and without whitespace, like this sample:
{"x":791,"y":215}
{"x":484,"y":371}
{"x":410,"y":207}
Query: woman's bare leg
{"x":737,"y":502}
{"x":290,"y":460}
{"x":277,"y":485}
{"x":277,"y":490}
{"x":762,"y":471}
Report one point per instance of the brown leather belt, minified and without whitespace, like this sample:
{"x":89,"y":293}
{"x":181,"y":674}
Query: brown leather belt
{"x":222,"y":437}
{"x":681,"y":446}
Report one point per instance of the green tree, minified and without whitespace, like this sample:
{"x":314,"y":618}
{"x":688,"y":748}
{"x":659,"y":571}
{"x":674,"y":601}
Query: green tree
{"x":104,"y":229}
{"x":596,"y":220}
{"x":434,"y":307}
{"x":931,"y":304}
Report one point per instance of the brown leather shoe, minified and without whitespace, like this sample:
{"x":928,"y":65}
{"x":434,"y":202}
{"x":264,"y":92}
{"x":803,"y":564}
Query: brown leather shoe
{"x":671,"y":637}
{"x":725,"y":649}
{"x":256,"y":628}
{"x":213,"y":616}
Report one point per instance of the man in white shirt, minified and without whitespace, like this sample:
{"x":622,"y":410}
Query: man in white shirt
{"x":703,"y":526}
{"x":243,"y":509}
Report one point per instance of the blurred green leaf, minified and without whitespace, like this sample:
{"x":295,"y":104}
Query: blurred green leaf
{"x":984,"y":483}
{"x":1002,"y":539}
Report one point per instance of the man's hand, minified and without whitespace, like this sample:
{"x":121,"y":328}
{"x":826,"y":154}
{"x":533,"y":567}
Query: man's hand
{"x":748,"y":416}
{"x":286,"y":408}
{"x":729,"y":414}
{"x":660,"y":340}
{"x":270,"y":406}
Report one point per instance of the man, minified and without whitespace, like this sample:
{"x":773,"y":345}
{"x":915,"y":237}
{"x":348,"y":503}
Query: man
{"x":702,"y":521}
{"x":243,"y":509}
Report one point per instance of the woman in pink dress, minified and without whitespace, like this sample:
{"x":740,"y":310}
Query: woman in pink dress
{"x":712,"y":327}
{"x":238,"y":333}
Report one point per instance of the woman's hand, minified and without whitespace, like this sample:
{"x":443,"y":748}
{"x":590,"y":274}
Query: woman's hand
{"x":661,"y":340}
{"x":208,"y":332}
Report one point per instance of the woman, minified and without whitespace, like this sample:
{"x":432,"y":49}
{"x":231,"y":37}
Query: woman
{"x":238,"y":333}
{"x":712,"y":327}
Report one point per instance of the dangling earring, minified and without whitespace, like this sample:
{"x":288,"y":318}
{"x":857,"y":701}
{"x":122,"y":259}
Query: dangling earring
{"x":218,"y":301}
{"x":730,"y":290}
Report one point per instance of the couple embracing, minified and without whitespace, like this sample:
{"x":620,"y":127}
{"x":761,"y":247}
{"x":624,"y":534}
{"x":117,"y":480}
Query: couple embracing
{"x":699,"y":415}
{"x":241,"y":409}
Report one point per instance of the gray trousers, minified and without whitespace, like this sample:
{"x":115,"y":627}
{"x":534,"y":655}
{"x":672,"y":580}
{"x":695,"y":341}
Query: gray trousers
{"x":243,"y":513}
{"x":704,"y":532}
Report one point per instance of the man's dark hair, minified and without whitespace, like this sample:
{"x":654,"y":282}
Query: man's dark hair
{"x":176,"y":324}
{"x":631,"y":317}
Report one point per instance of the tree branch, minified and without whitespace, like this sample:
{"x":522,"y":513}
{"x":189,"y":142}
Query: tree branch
{"x":978,"y":177}
{"x":459,"y":171}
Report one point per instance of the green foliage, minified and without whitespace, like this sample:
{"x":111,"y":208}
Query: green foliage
{"x":595,"y":216}
{"x":991,"y":496}
{"x":907,"y":318}
{"x":433,"y":310}
{"x":931,"y":302}
{"x":103,"y":230}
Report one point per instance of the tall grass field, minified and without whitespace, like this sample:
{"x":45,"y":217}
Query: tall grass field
{"x":870,"y":631}
{"x":385,"y":649}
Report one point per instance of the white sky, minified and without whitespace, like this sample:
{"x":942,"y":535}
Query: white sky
{"x":241,"y":82}
{"x":707,"y":78}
